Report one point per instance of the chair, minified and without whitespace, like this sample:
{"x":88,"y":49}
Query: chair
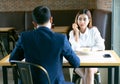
{"x":3,"y":49}
{"x":76,"y":78}
{"x":25,"y":72}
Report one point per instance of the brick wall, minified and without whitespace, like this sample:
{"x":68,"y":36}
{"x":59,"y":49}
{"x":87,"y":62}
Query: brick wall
{"x":28,"y":5}
{"x":104,"y":4}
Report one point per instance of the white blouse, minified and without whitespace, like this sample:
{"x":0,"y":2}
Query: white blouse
{"x":91,"y":38}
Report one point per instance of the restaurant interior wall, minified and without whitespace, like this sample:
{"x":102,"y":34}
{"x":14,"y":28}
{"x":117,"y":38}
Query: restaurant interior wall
{"x":28,"y":5}
{"x":104,"y":4}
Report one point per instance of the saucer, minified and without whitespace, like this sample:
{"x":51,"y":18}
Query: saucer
{"x":83,"y":51}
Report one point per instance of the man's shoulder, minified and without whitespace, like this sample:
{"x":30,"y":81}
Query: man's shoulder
{"x":27,"y":32}
{"x":59,"y":34}
{"x":60,"y":37}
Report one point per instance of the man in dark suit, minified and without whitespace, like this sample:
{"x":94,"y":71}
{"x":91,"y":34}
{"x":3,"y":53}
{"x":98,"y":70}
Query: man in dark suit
{"x":44,"y":47}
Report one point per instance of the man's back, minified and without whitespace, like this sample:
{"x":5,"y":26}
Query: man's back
{"x":44,"y":47}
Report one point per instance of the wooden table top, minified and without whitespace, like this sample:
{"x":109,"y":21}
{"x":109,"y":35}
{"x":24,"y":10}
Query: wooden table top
{"x":6,"y":29}
{"x":94,"y":59}
{"x":98,"y":59}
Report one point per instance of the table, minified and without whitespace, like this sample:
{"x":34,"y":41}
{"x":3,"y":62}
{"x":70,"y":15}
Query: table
{"x":95,"y":59}
{"x":9,"y":31}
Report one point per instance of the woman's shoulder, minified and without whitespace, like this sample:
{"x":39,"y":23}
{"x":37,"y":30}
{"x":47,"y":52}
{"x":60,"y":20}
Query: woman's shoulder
{"x":71,"y":32}
{"x":94,"y":28}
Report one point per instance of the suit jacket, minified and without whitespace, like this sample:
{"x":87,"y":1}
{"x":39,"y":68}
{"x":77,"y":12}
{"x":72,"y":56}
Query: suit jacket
{"x":46,"y":48}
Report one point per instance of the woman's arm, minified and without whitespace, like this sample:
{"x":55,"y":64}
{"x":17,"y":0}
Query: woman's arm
{"x":76,"y":31}
{"x":99,"y":41}
{"x":74,"y":44}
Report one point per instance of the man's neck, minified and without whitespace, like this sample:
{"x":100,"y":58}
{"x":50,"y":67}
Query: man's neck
{"x":48,"y":25}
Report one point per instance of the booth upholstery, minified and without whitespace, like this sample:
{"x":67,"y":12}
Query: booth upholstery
{"x":13,"y":19}
{"x":22,"y":21}
{"x":102,"y":19}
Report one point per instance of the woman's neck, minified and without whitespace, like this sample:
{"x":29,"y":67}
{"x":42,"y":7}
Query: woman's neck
{"x":83,"y":30}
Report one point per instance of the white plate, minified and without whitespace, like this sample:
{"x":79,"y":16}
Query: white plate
{"x":83,"y":51}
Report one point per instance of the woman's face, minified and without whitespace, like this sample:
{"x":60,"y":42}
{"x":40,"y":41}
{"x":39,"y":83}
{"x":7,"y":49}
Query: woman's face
{"x":83,"y":21}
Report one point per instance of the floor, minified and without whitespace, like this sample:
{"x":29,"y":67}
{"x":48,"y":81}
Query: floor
{"x":10,"y":78}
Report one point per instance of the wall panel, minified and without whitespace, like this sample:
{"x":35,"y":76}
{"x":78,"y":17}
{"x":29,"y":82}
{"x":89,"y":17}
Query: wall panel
{"x":28,"y":5}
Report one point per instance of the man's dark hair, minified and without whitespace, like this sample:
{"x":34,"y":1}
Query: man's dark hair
{"x":41,"y":14}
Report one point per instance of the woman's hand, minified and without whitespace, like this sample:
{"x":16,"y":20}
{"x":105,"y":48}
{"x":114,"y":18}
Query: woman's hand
{"x":75,"y":27}
{"x":76,"y":31}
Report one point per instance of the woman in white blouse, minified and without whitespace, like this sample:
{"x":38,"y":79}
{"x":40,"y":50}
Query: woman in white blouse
{"x":85,"y":35}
